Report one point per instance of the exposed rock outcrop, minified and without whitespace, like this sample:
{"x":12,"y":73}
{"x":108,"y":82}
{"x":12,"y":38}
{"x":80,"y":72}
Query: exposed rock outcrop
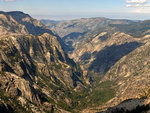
{"x":32,"y":60}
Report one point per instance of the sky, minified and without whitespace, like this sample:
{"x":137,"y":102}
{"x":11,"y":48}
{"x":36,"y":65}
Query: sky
{"x":73,"y":9}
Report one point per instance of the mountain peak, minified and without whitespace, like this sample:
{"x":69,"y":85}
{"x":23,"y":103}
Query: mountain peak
{"x":2,"y":12}
{"x":19,"y":13}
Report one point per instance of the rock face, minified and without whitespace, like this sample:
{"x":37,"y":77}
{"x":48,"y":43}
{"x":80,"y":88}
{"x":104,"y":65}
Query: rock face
{"x":131,"y":73}
{"x":33,"y":26}
{"x":72,"y":32}
{"x":99,"y":55}
{"x":130,"y":106}
{"x":95,"y":39}
{"x":36,"y":74}
{"x":9,"y":24}
{"x":113,"y":54}
{"x":34,"y":68}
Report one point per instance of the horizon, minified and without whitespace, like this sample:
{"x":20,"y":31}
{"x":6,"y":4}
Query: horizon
{"x":93,"y":18}
{"x":76,"y":9}
{"x":78,"y":18}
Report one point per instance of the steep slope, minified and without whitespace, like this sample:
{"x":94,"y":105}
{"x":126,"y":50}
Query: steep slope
{"x":35,"y":70}
{"x":131,"y":73}
{"x":94,"y":45}
{"x":65,"y":28}
{"x":92,"y":40}
{"x":123,"y":61}
{"x":138,"y":29}
{"x":33,"y":26}
{"x":36,"y":75}
{"x":115,"y":55}
{"x":9,"y":24}
{"x":130,"y":76}
{"x":49,"y":23}
{"x":72,"y":32}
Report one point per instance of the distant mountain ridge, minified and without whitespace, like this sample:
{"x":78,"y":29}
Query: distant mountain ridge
{"x":49,"y":23}
{"x":64,"y":28}
{"x":114,"y":53}
{"x":85,"y":65}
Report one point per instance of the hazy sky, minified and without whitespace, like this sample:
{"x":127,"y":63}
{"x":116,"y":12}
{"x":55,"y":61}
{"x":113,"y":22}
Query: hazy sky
{"x":71,"y":9}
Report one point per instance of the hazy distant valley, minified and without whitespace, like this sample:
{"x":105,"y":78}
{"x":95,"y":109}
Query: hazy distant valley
{"x":85,"y":65}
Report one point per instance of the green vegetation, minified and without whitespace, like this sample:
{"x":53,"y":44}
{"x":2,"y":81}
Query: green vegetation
{"x":89,"y":96}
{"x":5,"y":24}
{"x":46,"y":81}
{"x":78,"y":68}
{"x":56,"y":66}
{"x":2,"y":43}
{"x":12,"y":26}
{"x":64,"y":106}
{"x":15,"y":105}
{"x":43,"y":97}
{"x":2,"y":73}
{"x":102,"y":93}
{"x":11,"y":52}
{"x":14,"y":57}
